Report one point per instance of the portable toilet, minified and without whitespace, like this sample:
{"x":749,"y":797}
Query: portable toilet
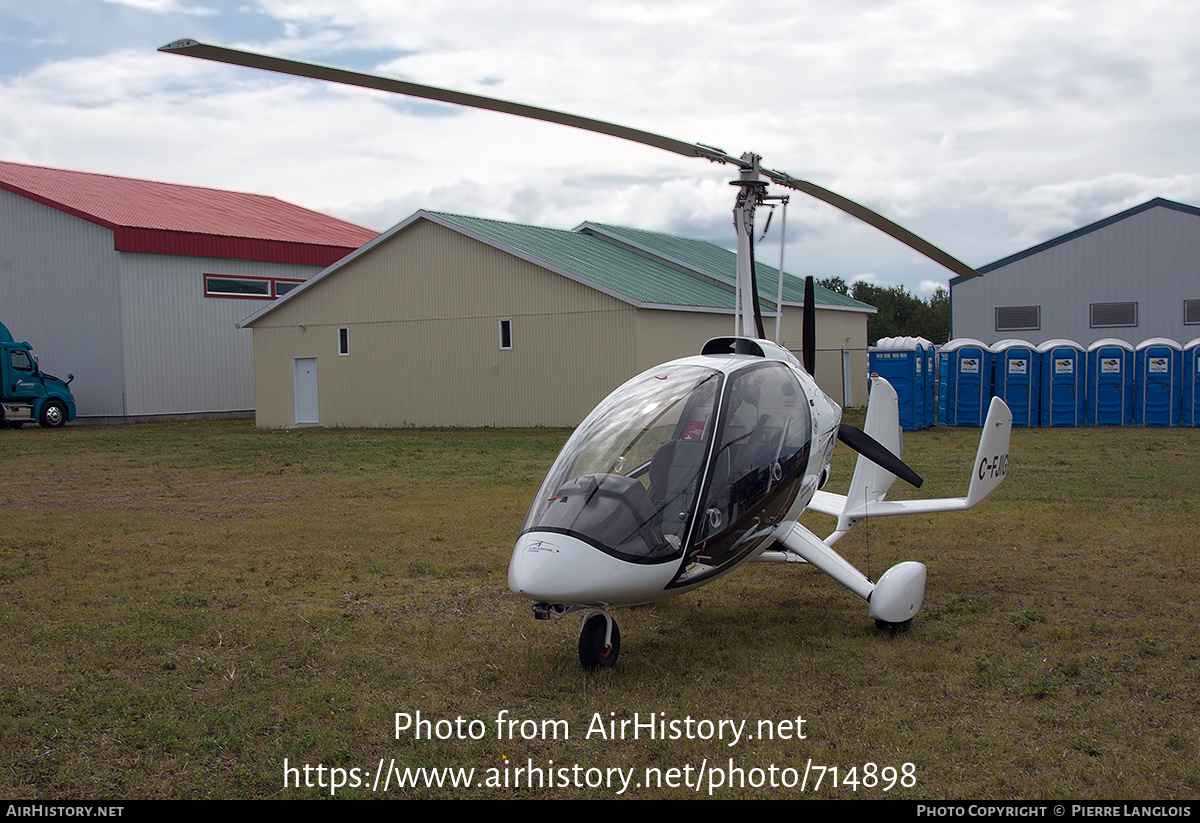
{"x":1157,"y":379}
{"x":1110,"y":383}
{"x":1063,"y":389}
{"x":1016,"y":379}
{"x":925,"y":383}
{"x":964,"y":382}
{"x":931,"y":384}
{"x":1190,"y":415}
{"x":901,"y":361}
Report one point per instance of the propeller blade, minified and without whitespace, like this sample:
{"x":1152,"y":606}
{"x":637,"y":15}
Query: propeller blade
{"x":809,"y":350}
{"x":220,"y":54}
{"x":877,"y":453}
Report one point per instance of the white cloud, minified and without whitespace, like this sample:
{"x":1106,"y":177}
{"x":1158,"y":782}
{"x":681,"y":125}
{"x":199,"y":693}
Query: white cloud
{"x":984,"y":127}
{"x":165,"y":7}
{"x":928,"y":288}
{"x":1044,"y":212}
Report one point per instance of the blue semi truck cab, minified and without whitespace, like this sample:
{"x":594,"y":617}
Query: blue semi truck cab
{"x":28,"y":394}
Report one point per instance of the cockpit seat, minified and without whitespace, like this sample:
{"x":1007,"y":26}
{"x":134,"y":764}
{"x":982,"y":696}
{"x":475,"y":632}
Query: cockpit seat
{"x":674,"y":472}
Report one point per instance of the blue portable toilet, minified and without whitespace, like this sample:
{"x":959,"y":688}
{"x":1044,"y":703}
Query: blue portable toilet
{"x":1063,"y":389}
{"x":923,"y":348}
{"x":1016,"y":379}
{"x":964,"y":382}
{"x":1157,"y":379}
{"x":1110,"y":383}
{"x":901,"y":361}
{"x":931,"y":384}
{"x":1190,"y":415}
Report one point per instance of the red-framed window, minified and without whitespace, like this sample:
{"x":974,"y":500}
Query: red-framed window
{"x":248,"y":288}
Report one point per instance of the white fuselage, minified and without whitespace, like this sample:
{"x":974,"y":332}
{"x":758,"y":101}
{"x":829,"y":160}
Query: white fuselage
{"x":565,"y":565}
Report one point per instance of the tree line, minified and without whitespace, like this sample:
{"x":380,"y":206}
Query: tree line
{"x":899,"y":314}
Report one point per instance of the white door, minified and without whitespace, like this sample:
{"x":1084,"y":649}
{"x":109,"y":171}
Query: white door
{"x":304,"y":379}
{"x":847,"y":381}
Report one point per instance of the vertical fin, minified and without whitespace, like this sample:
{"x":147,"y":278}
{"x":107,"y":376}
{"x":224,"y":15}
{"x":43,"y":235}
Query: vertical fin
{"x":991,"y":460}
{"x":871,"y":482}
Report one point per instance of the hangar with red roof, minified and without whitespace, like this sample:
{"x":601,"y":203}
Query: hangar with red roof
{"x":136,"y":287}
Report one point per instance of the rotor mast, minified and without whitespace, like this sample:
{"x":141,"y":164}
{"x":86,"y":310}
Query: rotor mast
{"x":752,"y":189}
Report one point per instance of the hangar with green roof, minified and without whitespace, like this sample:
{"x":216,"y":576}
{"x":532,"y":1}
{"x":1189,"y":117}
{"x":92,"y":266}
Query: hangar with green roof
{"x":446,"y":320}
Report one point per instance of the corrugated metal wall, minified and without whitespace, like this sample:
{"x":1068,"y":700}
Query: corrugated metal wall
{"x":183,"y":351}
{"x":59,"y":291}
{"x":135,"y":329}
{"x":422,"y":312}
{"x":1148,"y":258}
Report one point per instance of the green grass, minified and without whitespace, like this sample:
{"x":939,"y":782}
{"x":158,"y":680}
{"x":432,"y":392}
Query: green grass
{"x":185,"y":606}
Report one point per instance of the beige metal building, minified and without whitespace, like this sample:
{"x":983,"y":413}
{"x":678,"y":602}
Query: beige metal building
{"x":457,"y":321}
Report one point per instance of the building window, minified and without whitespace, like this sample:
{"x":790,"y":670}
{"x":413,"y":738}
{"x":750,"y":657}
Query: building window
{"x":1018,"y":318}
{"x":343,"y":341}
{"x":1114,"y":315}
{"x":506,"y":334}
{"x":1191,"y":312}
{"x":254,"y":288}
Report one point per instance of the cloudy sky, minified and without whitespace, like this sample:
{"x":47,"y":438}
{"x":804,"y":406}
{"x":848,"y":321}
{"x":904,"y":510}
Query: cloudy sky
{"x":985,"y":126}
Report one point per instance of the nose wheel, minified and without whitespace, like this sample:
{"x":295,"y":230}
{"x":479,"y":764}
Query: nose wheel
{"x":599,"y":640}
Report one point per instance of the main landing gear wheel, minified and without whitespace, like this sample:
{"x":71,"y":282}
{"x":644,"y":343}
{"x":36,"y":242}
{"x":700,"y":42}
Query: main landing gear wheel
{"x":894,"y":628}
{"x":595,"y":652}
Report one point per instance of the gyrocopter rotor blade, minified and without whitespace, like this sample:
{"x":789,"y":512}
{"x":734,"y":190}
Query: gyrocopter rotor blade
{"x":221,"y":54}
{"x":873,"y":219}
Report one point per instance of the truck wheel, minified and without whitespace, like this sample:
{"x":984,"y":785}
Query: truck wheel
{"x":53,"y":416}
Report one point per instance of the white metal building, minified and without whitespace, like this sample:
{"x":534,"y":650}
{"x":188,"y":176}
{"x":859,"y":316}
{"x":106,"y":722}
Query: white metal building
{"x":136,"y":287}
{"x":1131,"y":276}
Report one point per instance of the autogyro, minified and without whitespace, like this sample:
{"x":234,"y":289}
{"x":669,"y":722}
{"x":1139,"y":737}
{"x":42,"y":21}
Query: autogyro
{"x":703,"y":464}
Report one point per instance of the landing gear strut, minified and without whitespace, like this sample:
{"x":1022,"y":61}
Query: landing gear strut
{"x":599,"y":640}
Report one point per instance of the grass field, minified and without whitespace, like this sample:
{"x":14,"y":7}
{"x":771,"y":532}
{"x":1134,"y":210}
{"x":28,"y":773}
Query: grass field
{"x":186,"y":607}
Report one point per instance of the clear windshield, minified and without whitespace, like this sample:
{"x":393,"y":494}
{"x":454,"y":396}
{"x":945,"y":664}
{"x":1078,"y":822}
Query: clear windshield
{"x":764,"y":438}
{"x":626,"y":480}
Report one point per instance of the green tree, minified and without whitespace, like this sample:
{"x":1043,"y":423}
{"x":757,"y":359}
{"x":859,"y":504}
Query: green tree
{"x":935,"y":323}
{"x":836,"y":284}
{"x":900,"y":314}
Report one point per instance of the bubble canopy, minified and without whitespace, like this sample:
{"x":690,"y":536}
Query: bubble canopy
{"x":682,"y":460}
